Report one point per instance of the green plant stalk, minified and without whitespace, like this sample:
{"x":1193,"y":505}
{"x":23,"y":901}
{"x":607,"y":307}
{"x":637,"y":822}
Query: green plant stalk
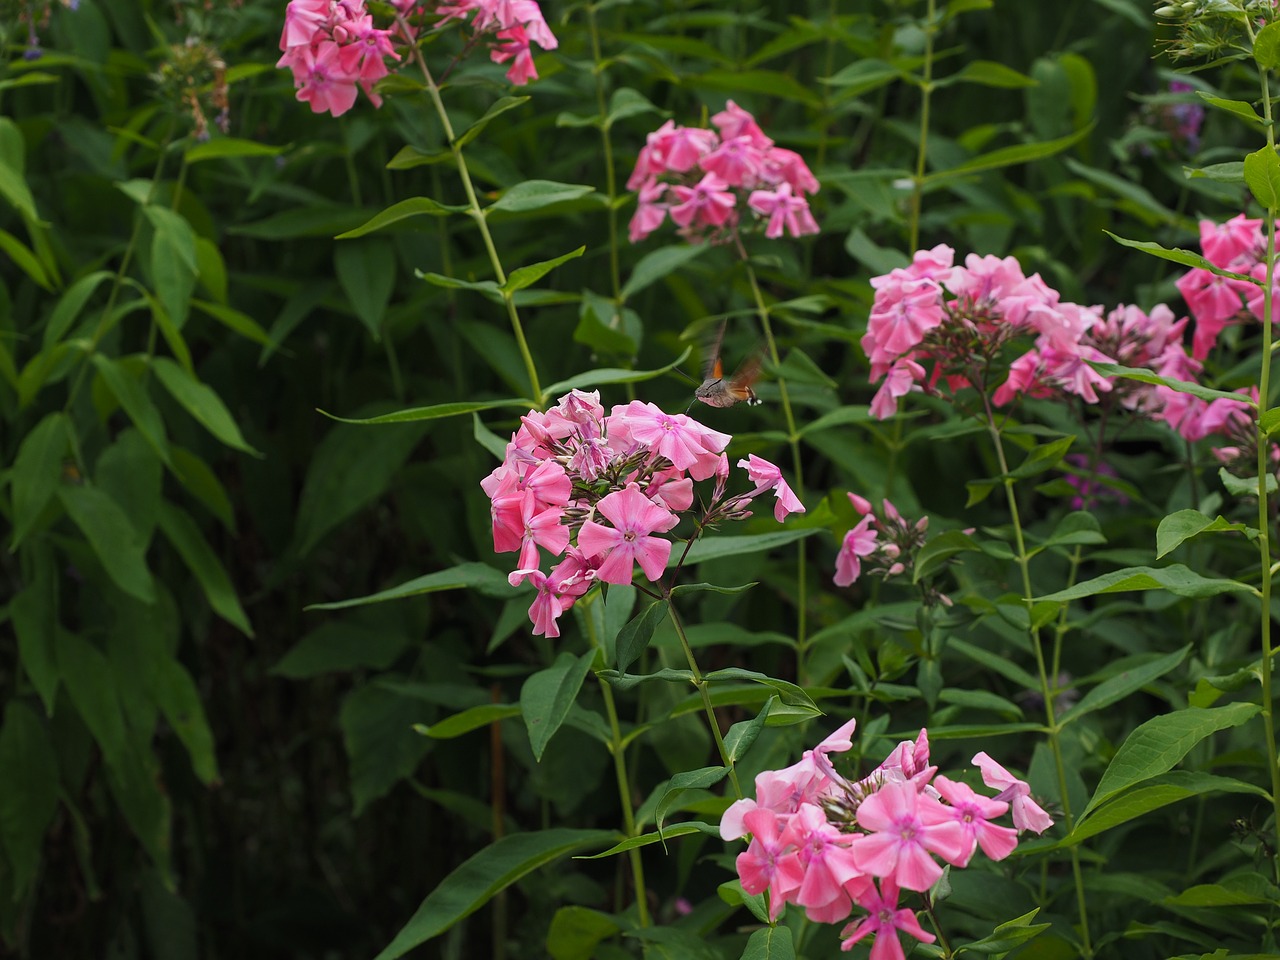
{"x":477,"y":214}
{"x":793,"y":440}
{"x":1046,"y":690}
{"x":926,"y":92}
{"x":705,"y":693}
{"x":619,"y":751}
{"x":610,"y":175}
{"x":1264,"y":449}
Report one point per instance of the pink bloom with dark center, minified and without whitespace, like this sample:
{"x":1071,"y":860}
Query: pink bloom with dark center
{"x":733,"y":121}
{"x":884,"y":919}
{"x":1027,"y":814}
{"x":767,"y":863}
{"x":629,"y":541}
{"x":557,"y":591}
{"x":974,"y":812}
{"x":785,"y":211}
{"x":905,"y":827}
{"x":823,"y":851}
{"x":709,"y":203}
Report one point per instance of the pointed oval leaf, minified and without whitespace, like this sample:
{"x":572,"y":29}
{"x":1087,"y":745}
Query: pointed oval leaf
{"x":1120,"y":686}
{"x":527,"y":276}
{"x":546,"y":697}
{"x":112,"y":538}
{"x":774,"y":943}
{"x":200,"y":559}
{"x":477,"y":576}
{"x":413,"y":207}
{"x":471,"y":719}
{"x":201,"y":402}
{"x":536,"y":194}
{"x":1176,"y":578}
{"x":37,"y":471}
{"x":634,"y":637}
{"x":1179,"y":527}
{"x":608,"y":376}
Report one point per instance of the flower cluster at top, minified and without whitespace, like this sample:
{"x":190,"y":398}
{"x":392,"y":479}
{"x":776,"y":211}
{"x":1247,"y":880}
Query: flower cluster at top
{"x":934,"y":323}
{"x":600,"y":489}
{"x":702,"y":178}
{"x":887,"y":542}
{"x":829,"y":844}
{"x":333,"y":46}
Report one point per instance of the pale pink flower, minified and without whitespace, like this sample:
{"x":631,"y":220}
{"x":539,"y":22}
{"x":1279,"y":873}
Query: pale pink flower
{"x":903,"y":377}
{"x":906,"y":826}
{"x":973,"y":812}
{"x":513,"y":44}
{"x":733,"y":121}
{"x":708,"y":204}
{"x":823,"y":851}
{"x":766,"y":476}
{"x":884,"y":919}
{"x":629,"y":541}
{"x":650,"y":212}
{"x":540,"y":527}
{"x":682,"y":440}
{"x":858,"y":543}
{"x":557,"y":591}
{"x":1027,"y":814}
{"x":767,"y":863}
{"x":737,"y":161}
{"x":789,"y":167}
{"x":785,"y":212}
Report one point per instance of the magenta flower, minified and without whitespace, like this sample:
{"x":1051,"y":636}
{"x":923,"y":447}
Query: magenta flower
{"x":557,"y":590}
{"x":628,"y":542}
{"x":1027,"y":814}
{"x":709,"y":203}
{"x":906,"y":826}
{"x":767,"y":863}
{"x":858,"y":543}
{"x":540,"y":526}
{"x":682,"y":440}
{"x":973,"y":812}
{"x":884,"y":919}
{"x":825,"y":855}
{"x":785,"y":212}
{"x":768,"y":477}
{"x":513,"y":44}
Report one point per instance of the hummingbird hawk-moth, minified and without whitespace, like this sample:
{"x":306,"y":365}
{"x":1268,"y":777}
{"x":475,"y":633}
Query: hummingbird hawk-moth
{"x":717,"y":390}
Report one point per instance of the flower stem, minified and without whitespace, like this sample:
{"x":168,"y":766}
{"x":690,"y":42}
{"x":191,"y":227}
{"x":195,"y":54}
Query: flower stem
{"x":477,"y":214}
{"x":1046,"y":690}
{"x":619,"y":751}
{"x":947,"y":952}
{"x":926,"y":92}
{"x":793,"y":439}
{"x":610,"y":176}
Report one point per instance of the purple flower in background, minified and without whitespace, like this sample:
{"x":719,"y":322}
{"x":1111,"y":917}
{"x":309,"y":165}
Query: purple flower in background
{"x":1183,"y":120}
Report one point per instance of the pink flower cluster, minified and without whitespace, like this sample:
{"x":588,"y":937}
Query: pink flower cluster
{"x":1238,"y":245}
{"x":886,"y":541}
{"x":333,"y":46}
{"x":599,"y":490}
{"x":702,"y":178}
{"x":829,"y":845}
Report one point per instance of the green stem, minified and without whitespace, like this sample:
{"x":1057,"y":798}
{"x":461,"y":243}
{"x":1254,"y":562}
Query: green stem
{"x":1046,"y":690}
{"x":705,"y":692}
{"x":947,"y":952}
{"x":1264,"y":470}
{"x":619,"y":751}
{"x":797,"y":465}
{"x":926,"y":92}
{"x":477,"y":214}
{"x":610,"y":175}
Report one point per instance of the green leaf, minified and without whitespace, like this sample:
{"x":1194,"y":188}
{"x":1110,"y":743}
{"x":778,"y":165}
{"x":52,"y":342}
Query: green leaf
{"x":340,"y":646}
{"x":476,"y":881}
{"x":1006,"y":936}
{"x":29,"y":765}
{"x":202,"y":483}
{"x":1262,"y":174}
{"x":988,"y":73}
{"x":241,"y":323}
{"x":683,"y":829}
{"x":1245,"y":486}
{"x":22,"y":257}
{"x":1239,"y":108}
{"x":226,"y":147}
{"x":1176,"y":578}
{"x":1160,"y":792}
{"x":522,"y":277}
{"x":1120,"y":686}
{"x":34,"y":613}
{"x":13,"y":187}
{"x":684,"y":588}
{"x":133,"y":398}
{"x":479,"y":576}
{"x":1177,"y":528}
{"x":201,"y":402}
{"x":176,"y":695}
{"x":1157,"y":745}
{"x":378,"y":734}
{"x":496,"y":109}
{"x":471,"y":719}
{"x":88,"y":678}
{"x":653,"y":266}
{"x":1042,"y":457}
{"x":1187,"y":259}
{"x":698,"y":779}
{"x":770,"y":83}
{"x":772,"y":943}
{"x":789,"y":694}
{"x":575,"y":932}
{"x":174,"y":266}
{"x":537,"y":194}
{"x":716,"y":548}
{"x":435,"y":411}
{"x":182,"y":532}
{"x":413,"y":207}
{"x":1231,"y":172}
{"x":1078,"y":528}
{"x":939,"y":550}
{"x":1002,"y":665}
{"x":610,"y":376}
{"x":367,"y":274}
{"x":37,"y":472}
{"x":112,"y":538}
{"x":634,"y":637}
{"x":70,"y":304}
{"x":740,"y":736}
{"x":1181,"y":386}
{"x":1266,"y":47}
{"x":546,"y":696}
{"x":1235,"y":891}
{"x":862,"y":76}
{"x":1008,"y":156}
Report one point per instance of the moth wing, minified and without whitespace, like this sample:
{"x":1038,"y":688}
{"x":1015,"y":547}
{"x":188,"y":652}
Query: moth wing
{"x":712,"y":367}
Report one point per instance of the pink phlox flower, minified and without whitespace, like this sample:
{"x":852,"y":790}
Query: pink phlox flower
{"x":321,"y":80}
{"x":737,"y":161}
{"x":583,"y":408}
{"x":528,"y":14}
{"x":858,"y":543}
{"x":733,"y":122}
{"x":1214,"y":302}
{"x":591,"y":456}
{"x":1027,"y":814}
{"x":673,"y":489}
{"x":985,"y":281}
{"x":903,"y":378}
{"x":682,"y":440}
{"x":884,"y":919}
{"x":650,"y":213}
{"x":908,"y":762}
{"x":557,"y":591}
{"x":905,"y":826}
{"x":860,"y":504}
{"x":540,"y":527}
{"x":1255,"y":296}
{"x":824,"y":854}
{"x":789,"y":167}
{"x":901,"y":314}
{"x":768,"y":863}
{"x":629,"y":541}
{"x":709,"y":203}
{"x":671,"y":149}
{"x":303,"y":19}
{"x":785,"y":211}
{"x":766,"y":476}
{"x":974,"y":812}
{"x":513,"y":44}
{"x":506,"y":514}
{"x":1227,"y":245}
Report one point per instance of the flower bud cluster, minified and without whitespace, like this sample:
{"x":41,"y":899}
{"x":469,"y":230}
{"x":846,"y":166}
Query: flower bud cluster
{"x":831,"y":845}
{"x":884,"y":541}
{"x":599,"y":490}
{"x":703,"y":179}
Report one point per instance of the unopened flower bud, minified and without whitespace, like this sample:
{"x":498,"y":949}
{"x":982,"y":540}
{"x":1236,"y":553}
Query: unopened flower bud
{"x":891,"y":551}
{"x":922,"y":524}
{"x":896,"y":569}
{"x":861,"y":504}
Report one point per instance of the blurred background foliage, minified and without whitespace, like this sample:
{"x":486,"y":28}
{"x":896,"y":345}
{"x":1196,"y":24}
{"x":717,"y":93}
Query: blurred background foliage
{"x":191,"y":763}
